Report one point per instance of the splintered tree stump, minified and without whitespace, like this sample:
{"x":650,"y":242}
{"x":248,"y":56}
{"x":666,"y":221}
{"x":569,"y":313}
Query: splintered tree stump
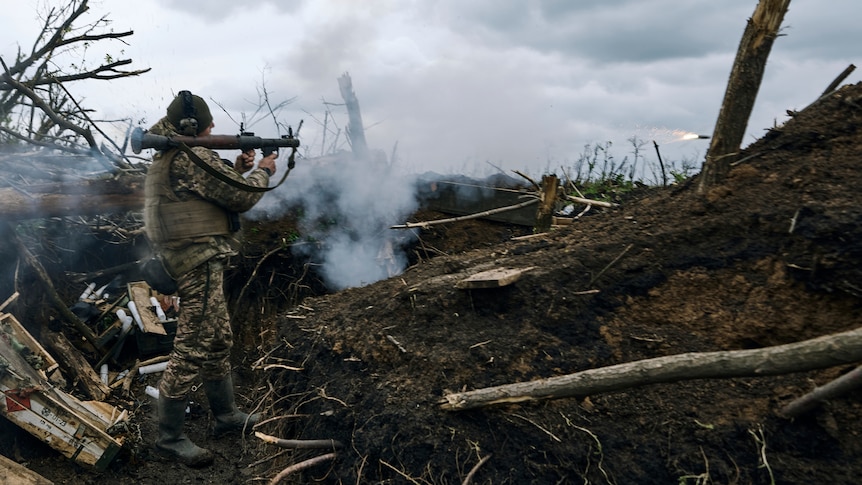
{"x":741,"y":93}
{"x":77,"y":366}
{"x":545,"y":214}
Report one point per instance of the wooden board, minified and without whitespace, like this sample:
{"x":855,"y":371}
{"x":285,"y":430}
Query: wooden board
{"x":140,"y":293}
{"x":493,"y":278}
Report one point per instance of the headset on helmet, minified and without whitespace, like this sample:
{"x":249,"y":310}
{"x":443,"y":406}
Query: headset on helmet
{"x":189,"y":121}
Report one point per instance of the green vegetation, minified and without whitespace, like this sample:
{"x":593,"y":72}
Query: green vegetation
{"x":597,"y":174}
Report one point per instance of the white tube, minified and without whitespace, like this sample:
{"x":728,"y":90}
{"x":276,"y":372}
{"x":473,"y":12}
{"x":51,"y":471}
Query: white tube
{"x":158,"y":307}
{"x":125,"y":320}
{"x":152,"y":368}
{"x":134,"y":309}
{"x":103,"y":373}
{"x":154,"y":393}
{"x":89,"y":291}
{"x":101,"y":290}
{"x":121,"y":375}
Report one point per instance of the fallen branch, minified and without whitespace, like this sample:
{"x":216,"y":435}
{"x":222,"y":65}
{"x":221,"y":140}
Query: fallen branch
{"x":301,"y":466}
{"x":819,"y":353}
{"x":835,"y":388}
{"x":50,"y":291}
{"x":410,"y":225}
{"x":299,"y":444}
{"x":838,"y":80}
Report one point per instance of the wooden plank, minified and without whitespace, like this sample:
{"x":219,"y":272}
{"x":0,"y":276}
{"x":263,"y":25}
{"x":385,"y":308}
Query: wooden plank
{"x":16,"y":474}
{"x":493,"y":278}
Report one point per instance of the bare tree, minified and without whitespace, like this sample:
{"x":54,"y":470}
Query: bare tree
{"x":36,"y":108}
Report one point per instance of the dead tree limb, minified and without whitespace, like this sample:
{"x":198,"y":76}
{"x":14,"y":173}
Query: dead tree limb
{"x":741,"y":93}
{"x":818,"y":353}
{"x":588,"y":202}
{"x":410,"y":225}
{"x":819,"y":395}
{"x":838,"y":80}
{"x":50,"y":291}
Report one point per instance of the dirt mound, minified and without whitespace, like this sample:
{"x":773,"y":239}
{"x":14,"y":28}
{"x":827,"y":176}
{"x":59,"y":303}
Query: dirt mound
{"x":771,"y":257}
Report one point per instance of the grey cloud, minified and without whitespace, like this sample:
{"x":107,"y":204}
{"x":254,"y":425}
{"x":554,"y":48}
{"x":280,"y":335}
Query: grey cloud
{"x":219,"y":10}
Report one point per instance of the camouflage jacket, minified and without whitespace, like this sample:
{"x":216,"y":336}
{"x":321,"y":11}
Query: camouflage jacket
{"x":190,"y":182}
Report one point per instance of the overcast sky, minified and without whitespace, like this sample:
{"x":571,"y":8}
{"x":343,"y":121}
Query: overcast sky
{"x":464,"y":84}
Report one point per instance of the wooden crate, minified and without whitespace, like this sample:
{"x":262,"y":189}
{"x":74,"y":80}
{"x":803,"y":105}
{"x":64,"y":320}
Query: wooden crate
{"x":76,"y":429}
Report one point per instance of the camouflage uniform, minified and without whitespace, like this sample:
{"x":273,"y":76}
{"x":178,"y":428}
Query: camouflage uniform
{"x":204,"y":338}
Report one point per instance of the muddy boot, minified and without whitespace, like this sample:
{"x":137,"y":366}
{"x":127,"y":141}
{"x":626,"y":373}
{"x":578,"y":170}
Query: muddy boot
{"x":172,"y":441}
{"x":223,"y":406}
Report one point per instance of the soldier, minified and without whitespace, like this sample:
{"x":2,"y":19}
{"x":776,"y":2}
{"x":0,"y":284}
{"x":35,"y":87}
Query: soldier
{"x":194,"y":253}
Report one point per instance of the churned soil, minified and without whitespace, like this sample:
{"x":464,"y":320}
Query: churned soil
{"x":770,"y":257}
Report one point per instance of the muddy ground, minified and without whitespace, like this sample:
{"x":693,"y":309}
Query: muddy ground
{"x":771,"y":257}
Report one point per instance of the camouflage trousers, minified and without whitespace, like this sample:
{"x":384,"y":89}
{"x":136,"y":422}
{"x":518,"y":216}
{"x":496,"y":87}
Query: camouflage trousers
{"x":204,"y":338}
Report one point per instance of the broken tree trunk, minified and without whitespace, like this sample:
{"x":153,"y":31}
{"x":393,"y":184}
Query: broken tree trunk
{"x":741,"y":93}
{"x":355,"y":130}
{"x":85,"y":197}
{"x":819,"y":395}
{"x":818,"y":353}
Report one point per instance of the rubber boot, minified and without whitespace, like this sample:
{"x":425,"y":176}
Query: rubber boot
{"x":172,"y":441}
{"x":228,"y":418}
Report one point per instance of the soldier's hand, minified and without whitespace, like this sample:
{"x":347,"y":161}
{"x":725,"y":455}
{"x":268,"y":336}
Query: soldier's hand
{"x":244,"y":162}
{"x":268,"y":162}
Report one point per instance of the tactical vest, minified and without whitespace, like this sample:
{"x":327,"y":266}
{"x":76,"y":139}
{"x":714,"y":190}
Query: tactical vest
{"x":167,"y":218}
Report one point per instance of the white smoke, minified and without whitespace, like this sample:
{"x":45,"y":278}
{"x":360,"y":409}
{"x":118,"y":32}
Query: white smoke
{"x":345,"y":207}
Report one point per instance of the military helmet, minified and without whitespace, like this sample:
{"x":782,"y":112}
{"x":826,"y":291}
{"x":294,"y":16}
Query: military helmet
{"x":189,"y":114}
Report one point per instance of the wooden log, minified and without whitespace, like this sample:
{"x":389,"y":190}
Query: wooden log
{"x":818,"y":353}
{"x":85,"y":197}
{"x":842,"y":385}
{"x":741,"y":92}
{"x":16,"y":474}
{"x":77,"y":366}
